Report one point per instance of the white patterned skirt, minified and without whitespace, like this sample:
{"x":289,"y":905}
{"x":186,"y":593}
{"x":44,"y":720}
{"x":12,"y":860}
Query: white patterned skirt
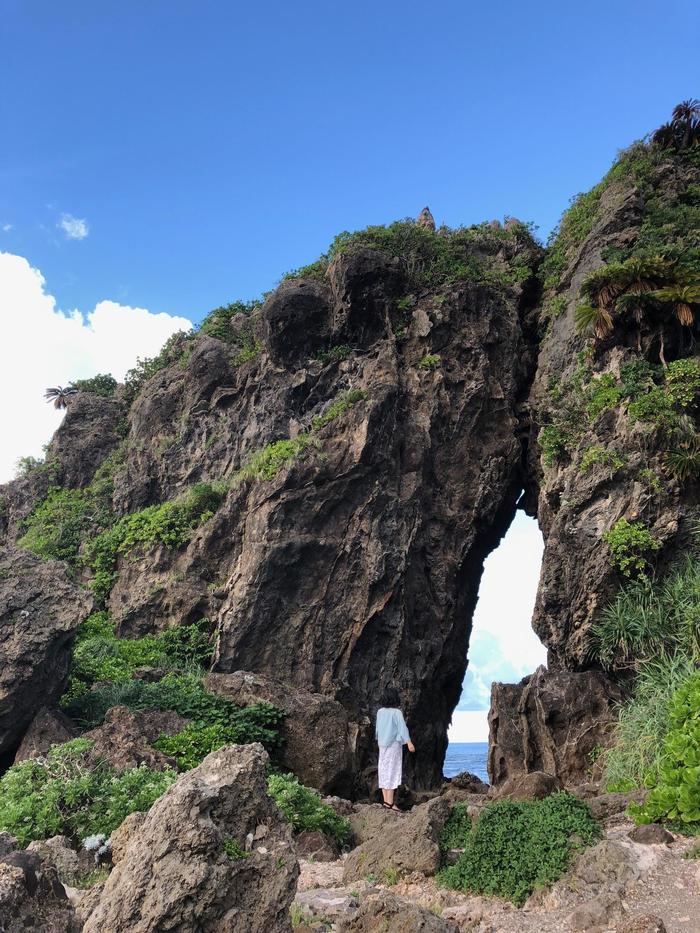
{"x":390,"y":766}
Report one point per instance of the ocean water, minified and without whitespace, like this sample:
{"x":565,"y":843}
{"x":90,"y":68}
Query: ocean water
{"x":466,"y":756}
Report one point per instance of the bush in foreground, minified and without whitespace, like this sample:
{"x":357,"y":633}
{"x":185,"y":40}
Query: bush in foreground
{"x":70,"y":794}
{"x":303,"y":808}
{"x":517,"y":846}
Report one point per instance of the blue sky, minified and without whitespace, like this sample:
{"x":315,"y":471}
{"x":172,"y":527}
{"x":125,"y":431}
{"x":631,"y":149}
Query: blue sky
{"x":210,"y":146}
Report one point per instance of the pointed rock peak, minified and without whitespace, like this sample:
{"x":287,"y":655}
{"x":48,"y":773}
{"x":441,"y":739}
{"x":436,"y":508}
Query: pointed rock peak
{"x":426,"y":219}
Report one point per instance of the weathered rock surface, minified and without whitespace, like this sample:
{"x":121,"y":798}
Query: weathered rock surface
{"x":317,"y":738}
{"x":651,"y":834}
{"x":531,"y":785}
{"x":32,"y":897}
{"x":329,"y":904}
{"x":551,"y":722}
{"x":643,"y":924}
{"x":59,"y":852}
{"x":597,"y":913}
{"x":49,"y":727}
{"x":175,"y":872}
{"x":390,"y":914}
{"x":312,"y":844}
{"x":39,"y":613}
{"x":124,"y":739}
{"x":575,"y":508}
{"x":409,"y":843}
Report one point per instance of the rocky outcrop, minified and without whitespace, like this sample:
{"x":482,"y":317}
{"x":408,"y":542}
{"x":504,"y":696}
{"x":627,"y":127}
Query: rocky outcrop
{"x":188,"y":866}
{"x":32,"y":897}
{"x":326,"y":762}
{"x":550,"y":722}
{"x":408,"y":843}
{"x":390,"y":914}
{"x":124,"y":740}
{"x":576,"y":504}
{"x":39,"y":613}
{"x":49,"y":727}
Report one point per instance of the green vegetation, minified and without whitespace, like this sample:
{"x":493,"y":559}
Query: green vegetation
{"x":100,"y":656}
{"x":170,"y":524}
{"x":69,"y":793}
{"x":57,"y":525}
{"x":234,"y":850}
{"x":631,"y":544}
{"x":457,"y":828}
{"x":334,"y":354}
{"x":339,"y":407}
{"x":218,"y":323}
{"x":303,"y":808}
{"x":429,"y":361}
{"x":515,"y":847}
{"x":265,"y":464}
{"x":173,"y":350}
{"x":433,"y":259}
{"x":102,"y":384}
{"x":597,"y":455}
{"x":675,"y":783}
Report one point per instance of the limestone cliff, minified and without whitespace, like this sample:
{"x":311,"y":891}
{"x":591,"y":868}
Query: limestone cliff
{"x":323,"y":474}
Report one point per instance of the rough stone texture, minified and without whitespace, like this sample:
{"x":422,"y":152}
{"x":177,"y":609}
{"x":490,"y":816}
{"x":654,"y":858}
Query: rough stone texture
{"x":643,"y":924}
{"x":370,"y":820}
{"x":597,"y":913}
{"x":390,"y":914}
{"x":58,"y":852}
{"x":39,"y":613}
{"x":465,"y":781}
{"x":8,"y":843}
{"x":32,"y":897}
{"x":574,"y":510}
{"x":533,"y":785}
{"x":607,"y":805}
{"x":316,"y":845}
{"x":426,"y":219}
{"x":409,"y":843}
{"x":651,"y":834}
{"x":174,"y":873}
{"x":551,"y":722}
{"x":49,"y":727}
{"x":124,"y":834}
{"x":317,"y":736}
{"x":332,"y":904}
{"x":124,"y":739}
{"x":90,"y":430}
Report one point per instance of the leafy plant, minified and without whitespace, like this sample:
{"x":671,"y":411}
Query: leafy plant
{"x":57,"y":524}
{"x":457,"y":829}
{"x":341,"y":405}
{"x":683,"y":461}
{"x":103,"y":384}
{"x":630,"y":545}
{"x":429,"y":361}
{"x":683,"y":130}
{"x":597,"y":455}
{"x":303,"y":808}
{"x":59,"y":395}
{"x":334,"y":354}
{"x":517,"y":846}
{"x":675,"y":784}
{"x":69,"y":793}
{"x":234,"y":850}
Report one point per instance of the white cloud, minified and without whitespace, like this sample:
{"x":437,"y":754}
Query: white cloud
{"x":6,"y":228}
{"x":42,"y":346}
{"x":75,"y":228}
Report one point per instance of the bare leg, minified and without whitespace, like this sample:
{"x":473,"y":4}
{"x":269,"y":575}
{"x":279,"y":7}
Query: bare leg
{"x":389,"y":797}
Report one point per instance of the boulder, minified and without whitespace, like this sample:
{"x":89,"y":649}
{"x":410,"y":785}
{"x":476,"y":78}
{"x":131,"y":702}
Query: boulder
{"x":551,"y":721}
{"x":330,"y":904}
{"x":599,"y":912}
{"x":466,"y":781}
{"x":32,"y":897}
{"x":317,"y":846}
{"x":645,"y":923}
{"x":390,"y":914}
{"x":8,"y":843}
{"x":370,"y":820}
{"x":123,"y":740}
{"x":535,"y":785}
{"x":186,"y":867}
{"x":59,"y":852}
{"x":651,"y":834}
{"x":365,"y":284}
{"x":315,"y":731}
{"x":40,"y":610}
{"x":409,"y":843}
{"x":91,"y":429}
{"x":49,"y":727}
{"x":124,"y":834}
{"x":606,"y":805}
{"x":295,"y":321}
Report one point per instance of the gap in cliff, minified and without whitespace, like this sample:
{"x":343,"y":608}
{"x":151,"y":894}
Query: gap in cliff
{"x":502,"y":644}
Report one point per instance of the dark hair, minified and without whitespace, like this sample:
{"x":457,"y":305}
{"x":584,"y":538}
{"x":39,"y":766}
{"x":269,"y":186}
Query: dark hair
{"x":391,"y":698}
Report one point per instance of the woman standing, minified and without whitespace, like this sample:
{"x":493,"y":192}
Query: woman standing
{"x":392,"y":735}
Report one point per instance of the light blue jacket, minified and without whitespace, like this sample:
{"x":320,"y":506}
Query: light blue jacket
{"x":391,"y":727}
